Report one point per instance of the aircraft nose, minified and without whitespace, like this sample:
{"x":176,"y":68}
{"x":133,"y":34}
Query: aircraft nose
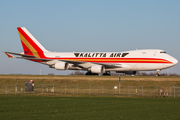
{"x":174,"y":61}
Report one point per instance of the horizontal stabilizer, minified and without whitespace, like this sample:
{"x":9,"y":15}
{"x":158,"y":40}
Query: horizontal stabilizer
{"x":10,"y":56}
{"x":22,"y":55}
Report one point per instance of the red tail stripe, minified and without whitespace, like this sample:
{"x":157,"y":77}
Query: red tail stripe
{"x":27,"y":51}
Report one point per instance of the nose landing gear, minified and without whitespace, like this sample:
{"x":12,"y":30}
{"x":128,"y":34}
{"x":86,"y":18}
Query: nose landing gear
{"x":158,"y":72}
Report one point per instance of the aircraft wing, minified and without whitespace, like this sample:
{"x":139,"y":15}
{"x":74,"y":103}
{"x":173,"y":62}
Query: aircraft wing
{"x":79,"y":63}
{"x":89,"y":64}
{"x":76,"y":63}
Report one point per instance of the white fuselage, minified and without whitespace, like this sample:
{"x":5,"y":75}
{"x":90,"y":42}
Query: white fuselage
{"x":136,"y":60}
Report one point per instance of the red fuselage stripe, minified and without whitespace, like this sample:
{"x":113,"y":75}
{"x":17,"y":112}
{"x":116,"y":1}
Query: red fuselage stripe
{"x":115,"y":60}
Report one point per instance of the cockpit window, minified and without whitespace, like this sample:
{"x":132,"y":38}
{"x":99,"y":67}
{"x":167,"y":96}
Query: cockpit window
{"x":162,"y":52}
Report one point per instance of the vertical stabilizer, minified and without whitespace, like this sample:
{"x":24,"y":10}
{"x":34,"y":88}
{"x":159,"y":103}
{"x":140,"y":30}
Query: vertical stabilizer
{"x":29,"y":43}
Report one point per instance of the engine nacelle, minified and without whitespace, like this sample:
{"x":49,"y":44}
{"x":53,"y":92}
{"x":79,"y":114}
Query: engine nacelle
{"x":61,"y":66}
{"x":127,"y":72}
{"x":97,"y":69}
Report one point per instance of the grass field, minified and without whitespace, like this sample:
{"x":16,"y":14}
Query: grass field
{"x":84,"y":106}
{"x":58,"y":79}
{"x":91,"y":85}
{"x":30,"y":107}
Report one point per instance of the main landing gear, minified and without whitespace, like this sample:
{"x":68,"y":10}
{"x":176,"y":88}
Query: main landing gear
{"x":90,"y":73}
{"x":158,"y":72}
{"x":107,"y":73}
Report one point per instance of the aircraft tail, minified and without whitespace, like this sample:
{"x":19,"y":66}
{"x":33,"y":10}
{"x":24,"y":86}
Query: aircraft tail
{"x":30,"y":45}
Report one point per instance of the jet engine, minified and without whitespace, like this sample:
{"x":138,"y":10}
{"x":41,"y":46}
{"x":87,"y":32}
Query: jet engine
{"x":61,"y":66}
{"x":127,"y":72}
{"x":97,"y":69}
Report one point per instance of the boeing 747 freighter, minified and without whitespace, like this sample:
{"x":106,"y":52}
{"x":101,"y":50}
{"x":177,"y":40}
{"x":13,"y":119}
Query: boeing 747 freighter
{"x":128,"y":62}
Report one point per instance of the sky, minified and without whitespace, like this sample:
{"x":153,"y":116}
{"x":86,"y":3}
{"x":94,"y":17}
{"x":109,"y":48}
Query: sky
{"x":88,"y":26}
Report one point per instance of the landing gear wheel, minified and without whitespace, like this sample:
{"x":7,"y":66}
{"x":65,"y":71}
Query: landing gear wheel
{"x":90,"y":73}
{"x":107,"y":73}
{"x":157,"y":74}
